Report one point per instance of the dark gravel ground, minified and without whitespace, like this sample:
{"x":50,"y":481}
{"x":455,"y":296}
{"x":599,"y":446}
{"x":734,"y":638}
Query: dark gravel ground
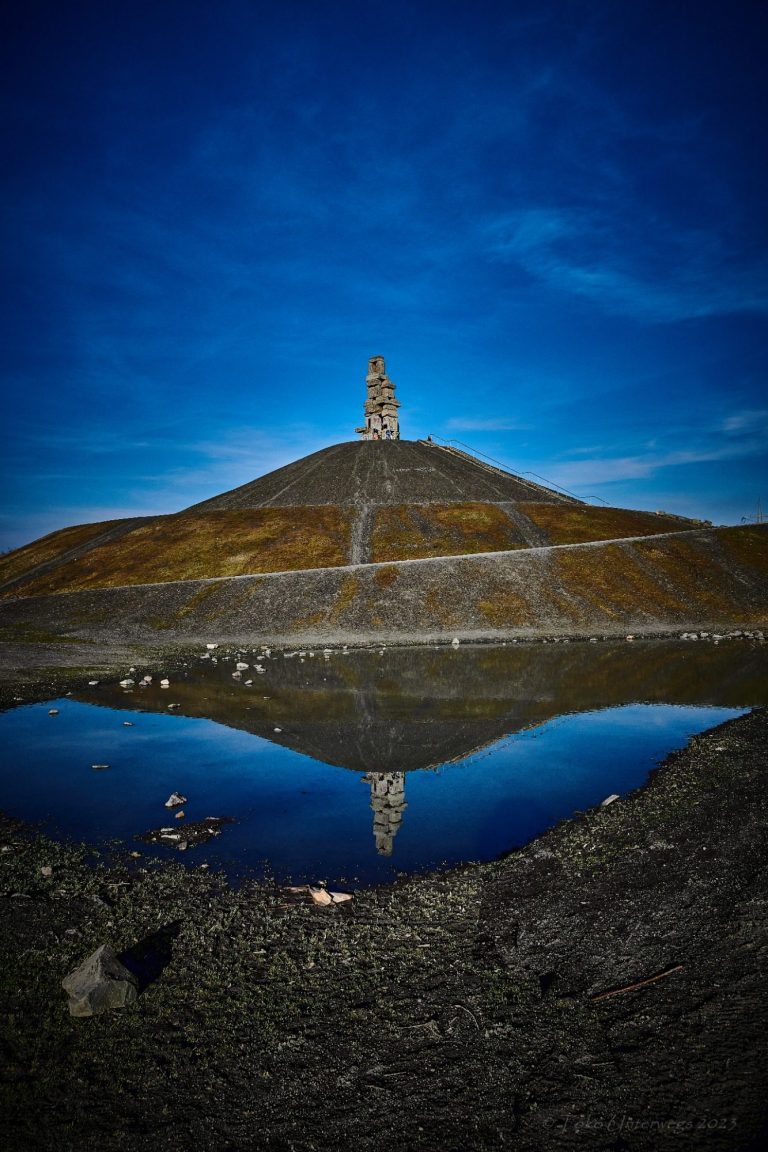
{"x":454,"y":1011}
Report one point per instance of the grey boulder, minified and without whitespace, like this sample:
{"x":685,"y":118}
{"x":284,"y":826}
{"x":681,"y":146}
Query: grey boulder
{"x":100,"y":983}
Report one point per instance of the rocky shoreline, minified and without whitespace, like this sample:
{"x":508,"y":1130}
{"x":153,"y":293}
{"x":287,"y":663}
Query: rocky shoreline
{"x":600,"y":989}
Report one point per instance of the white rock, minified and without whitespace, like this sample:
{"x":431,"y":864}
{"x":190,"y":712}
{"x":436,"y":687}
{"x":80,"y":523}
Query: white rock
{"x":277,"y":729}
{"x":241,"y":667}
{"x":175,"y":800}
{"x":455,"y":642}
{"x":211,"y":647}
{"x":320,"y":896}
{"x":237,"y":675}
{"x":126,"y":683}
{"x":165,"y":683}
{"x":609,"y":800}
{"x":53,"y":711}
{"x":92,"y":683}
{"x":630,"y":637}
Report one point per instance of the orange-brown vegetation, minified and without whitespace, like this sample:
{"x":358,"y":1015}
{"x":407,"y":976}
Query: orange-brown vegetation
{"x":580,"y":523}
{"x":385,"y":577}
{"x":48,"y":547}
{"x":413,"y":532}
{"x":229,"y":543}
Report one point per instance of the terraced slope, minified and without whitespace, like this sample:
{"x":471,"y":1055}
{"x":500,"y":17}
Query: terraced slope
{"x":250,"y":541}
{"x":708,"y":578}
{"x":354,"y":503}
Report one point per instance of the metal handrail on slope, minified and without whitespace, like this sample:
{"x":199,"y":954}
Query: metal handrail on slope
{"x":506,"y":471}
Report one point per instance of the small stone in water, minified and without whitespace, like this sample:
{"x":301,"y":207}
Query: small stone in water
{"x":127,"y":723}
{"x":609,"y":800}
{"x":180,"y":815}
{"x":175,"y":800}
{"x":99,"y":767}
{"x":92,"y":683}
{"x":53,"y":711}
{"x":126,"y":683}
{"x":165,"y":683}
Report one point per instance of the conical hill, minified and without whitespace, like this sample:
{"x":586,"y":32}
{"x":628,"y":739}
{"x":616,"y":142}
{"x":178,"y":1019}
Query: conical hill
{"x":352,"y":503}
{"x":382,"y":472}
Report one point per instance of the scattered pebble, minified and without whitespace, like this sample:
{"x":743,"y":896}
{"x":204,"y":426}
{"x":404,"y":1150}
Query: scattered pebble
{"x":53,"y":711}
{"x":609,"y":799}
{"x":99,"y":767}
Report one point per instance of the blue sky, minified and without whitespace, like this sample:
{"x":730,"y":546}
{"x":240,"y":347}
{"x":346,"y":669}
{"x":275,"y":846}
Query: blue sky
{"x":549,"y":217}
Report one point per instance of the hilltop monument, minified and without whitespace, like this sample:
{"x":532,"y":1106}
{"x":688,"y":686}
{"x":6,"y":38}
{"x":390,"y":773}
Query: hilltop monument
{"x":381,"y":420}
{"x":388,"y":804}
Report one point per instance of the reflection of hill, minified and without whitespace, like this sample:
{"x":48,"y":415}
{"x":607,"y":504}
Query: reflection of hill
{"x":415,"y":708}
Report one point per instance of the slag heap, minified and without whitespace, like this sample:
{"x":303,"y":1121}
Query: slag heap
{"x":381,"y":420}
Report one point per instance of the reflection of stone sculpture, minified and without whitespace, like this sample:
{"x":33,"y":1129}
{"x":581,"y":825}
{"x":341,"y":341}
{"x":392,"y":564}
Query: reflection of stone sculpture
{"x":381,"y":420}
{"x":388,"y":803}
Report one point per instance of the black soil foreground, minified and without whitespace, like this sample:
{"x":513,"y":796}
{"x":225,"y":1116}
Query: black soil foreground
{"x":601,"y":989}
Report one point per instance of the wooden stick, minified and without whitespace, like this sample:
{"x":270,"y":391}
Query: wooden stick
{"x":638,"y":984}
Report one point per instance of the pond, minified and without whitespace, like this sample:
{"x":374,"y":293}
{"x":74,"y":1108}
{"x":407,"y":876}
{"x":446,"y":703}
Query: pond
{"x":353,"y":766}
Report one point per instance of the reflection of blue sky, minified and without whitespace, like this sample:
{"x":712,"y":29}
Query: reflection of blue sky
{"x":549,"y":217}
{"x":310,"y":818}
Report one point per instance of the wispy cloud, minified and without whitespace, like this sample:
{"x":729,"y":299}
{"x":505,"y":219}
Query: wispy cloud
{"x":662,"y":276}
{"x":492,"y":424}
{"x":597,"y":470}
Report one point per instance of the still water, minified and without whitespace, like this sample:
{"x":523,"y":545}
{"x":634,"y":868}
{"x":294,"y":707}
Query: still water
{"x":354,"y":767}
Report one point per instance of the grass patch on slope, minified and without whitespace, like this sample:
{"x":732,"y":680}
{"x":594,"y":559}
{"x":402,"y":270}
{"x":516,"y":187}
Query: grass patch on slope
{"x":49,"y":547}
{"x":581,"y":523}
{"x":229,"y":543}
{"x":415,"y":532}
